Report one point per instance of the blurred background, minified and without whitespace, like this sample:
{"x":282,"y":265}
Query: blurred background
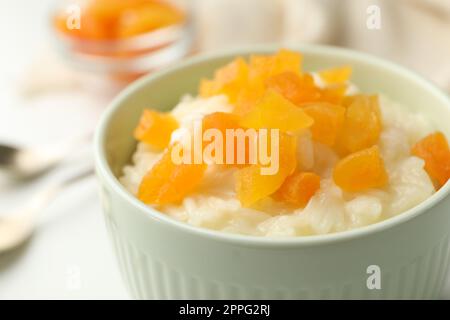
{"x":58,"y":73}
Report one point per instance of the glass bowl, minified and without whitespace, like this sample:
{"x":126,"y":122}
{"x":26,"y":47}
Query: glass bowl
{"x":128,"y":58}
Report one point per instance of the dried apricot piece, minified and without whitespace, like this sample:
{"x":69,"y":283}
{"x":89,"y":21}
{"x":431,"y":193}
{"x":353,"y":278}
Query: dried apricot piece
{"x":229,"y":80}
{"x":287,"y":84}
{"x":221,"y":121}
{"x":288,"y":60}
{"x":248,"y":97}
{"x":297,"y":89}
{"x":169,"y":183}
{"x":155,"y":128}
{"x":99,"y":18}
{"x":298,"y":188}
{"x":93,"y":27}
{"x":274,"y":111}
{"x":252,"y":185}
{"x":435,"y":151}
{"x":336,"y":75}
{"x":328,"y":121}
{"x":362,"y":125}
{"x":111,"y":9}
{"x":333,"y":94}
{"x":147,"y":17}
{"x":360,"y":171}
{"x":224,"y":121}
{"x":112,"y":19}
{"x":347,"y":101}
{"x":264,"y":67}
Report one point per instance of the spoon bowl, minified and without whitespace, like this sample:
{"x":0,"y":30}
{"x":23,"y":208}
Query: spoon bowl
{"x":14,"y":231}
{"x":7,"y":155}
{"x":18,"y":226}
{"x":17,"y":163}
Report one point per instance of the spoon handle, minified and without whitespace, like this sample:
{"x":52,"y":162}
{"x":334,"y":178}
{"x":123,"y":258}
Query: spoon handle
{"x":75,"y":178}
{"x":15,"y":229}
{"x":44,"y":197}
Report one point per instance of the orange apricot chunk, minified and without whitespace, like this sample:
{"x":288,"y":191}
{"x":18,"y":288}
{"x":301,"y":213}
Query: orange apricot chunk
{"x":240,"y":150}
{"x":361,"y":171}
{"x":362,"y":125}
{"x":264,"y":67}
{"x":147,"y":17}
{"x":169,"y":183}
{"x":155,"y":128}
{"x":98,"y":18}
{"x":92,"y":28}
{"x":298,"y":189}
{"x":336,"y":76}
{"x":347,"y":101}
{"x":288,"y":60}
{"x":328,"y":121}
{"x":247,"y":98}
{"x":302,"y":89}
{"x":113,"y":19}
{"x":297,"y":89}
{"x":435,"y":151}
{"x":221,"y":121}
{"x":253,"y":185}
{"x":333,"y":94}
{"x":229,"y":80}
{"x":287,"y":84}
{"x":274,"y":111}
{"x":111,"y":9}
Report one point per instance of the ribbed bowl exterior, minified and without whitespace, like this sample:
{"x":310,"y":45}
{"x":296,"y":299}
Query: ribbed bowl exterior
{"x":158,"y":261}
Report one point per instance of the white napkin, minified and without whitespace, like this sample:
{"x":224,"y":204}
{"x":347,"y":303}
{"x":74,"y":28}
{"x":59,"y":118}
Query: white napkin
{"x":413,"y":32}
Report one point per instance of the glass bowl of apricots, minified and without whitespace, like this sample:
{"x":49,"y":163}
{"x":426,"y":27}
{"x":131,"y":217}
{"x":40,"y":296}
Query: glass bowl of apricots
{"x":313,"y":172}
{"x":124,"y":39}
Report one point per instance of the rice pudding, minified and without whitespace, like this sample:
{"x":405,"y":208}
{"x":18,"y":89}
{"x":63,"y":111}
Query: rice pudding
{"x":344,"y":160}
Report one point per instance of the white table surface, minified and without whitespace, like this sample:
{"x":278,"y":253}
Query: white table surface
{"x":69,"y":256}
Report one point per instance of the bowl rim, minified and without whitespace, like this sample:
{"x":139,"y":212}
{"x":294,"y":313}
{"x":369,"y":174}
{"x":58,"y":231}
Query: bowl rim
{"x":104,"y":171}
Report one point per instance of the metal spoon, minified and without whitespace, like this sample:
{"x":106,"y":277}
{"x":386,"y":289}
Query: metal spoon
{"x":17,"y":227}
{"x":24,"y":164}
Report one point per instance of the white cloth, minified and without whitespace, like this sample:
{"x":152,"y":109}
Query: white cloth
{"x":415,"y":33}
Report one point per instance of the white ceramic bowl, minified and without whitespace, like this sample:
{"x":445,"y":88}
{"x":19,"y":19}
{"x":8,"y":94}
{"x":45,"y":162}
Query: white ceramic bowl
{"x":161,"y":258}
